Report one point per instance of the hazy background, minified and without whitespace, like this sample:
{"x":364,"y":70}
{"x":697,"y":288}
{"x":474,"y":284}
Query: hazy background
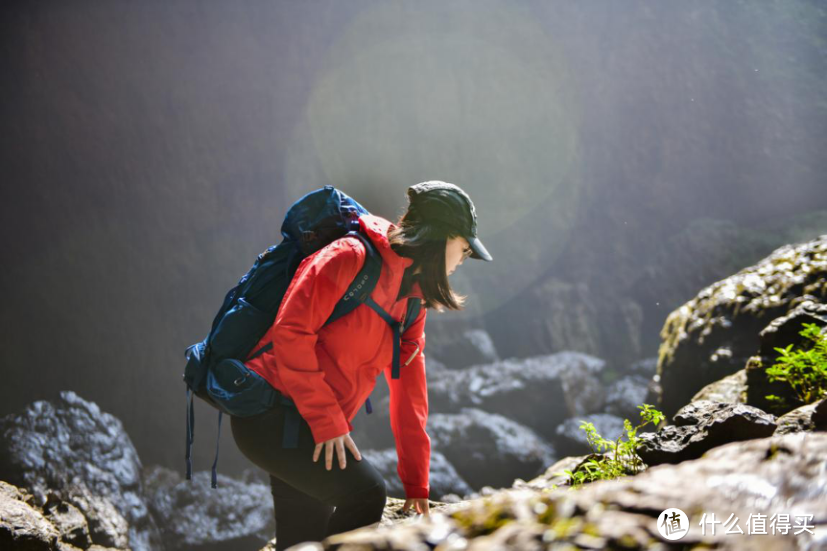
{"x":621,"y":155}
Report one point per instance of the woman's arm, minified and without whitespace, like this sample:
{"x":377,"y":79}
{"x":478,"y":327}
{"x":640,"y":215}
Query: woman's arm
{"x":320,"y":282}
{"x":409,"y":412}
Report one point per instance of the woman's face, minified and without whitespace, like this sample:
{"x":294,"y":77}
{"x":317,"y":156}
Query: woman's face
{"x":457,"y":249}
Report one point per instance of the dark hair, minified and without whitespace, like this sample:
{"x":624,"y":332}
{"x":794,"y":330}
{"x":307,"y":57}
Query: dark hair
{"x":425,"y":244}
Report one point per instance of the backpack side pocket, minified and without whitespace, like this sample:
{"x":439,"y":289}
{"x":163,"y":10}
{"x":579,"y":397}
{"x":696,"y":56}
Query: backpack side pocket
{"x":239,"y":390}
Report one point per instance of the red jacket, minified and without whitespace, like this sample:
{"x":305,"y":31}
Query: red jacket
{"x":330,"y":371}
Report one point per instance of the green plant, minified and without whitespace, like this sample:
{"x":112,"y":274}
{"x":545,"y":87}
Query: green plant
{"x":621,"y":459}
{"x":804,"y":369}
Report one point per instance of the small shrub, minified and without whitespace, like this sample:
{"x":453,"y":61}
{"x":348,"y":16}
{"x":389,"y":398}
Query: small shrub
{"x":804,"y":369}
{"x":622,"y":458}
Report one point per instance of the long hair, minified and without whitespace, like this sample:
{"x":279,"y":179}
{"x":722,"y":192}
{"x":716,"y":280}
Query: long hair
{"x":425,"y":244}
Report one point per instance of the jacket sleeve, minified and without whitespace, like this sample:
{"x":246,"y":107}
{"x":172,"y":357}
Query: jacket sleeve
{"x":319,"y":283}
{"x":409,"y":412}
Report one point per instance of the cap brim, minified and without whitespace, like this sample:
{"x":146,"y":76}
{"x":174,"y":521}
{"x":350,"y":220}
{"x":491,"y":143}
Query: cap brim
{"x":479,"y":250}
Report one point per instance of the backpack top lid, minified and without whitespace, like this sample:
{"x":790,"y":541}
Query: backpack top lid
{"x":320,"y":217}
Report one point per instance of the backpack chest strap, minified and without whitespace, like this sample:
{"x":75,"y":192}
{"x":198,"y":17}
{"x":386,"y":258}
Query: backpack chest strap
{"x":396,"y":327}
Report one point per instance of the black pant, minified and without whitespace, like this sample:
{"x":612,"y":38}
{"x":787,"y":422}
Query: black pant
{"x":310,"y":502}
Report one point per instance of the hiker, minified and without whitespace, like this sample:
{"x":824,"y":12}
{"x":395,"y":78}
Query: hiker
{"x":323,"y":485}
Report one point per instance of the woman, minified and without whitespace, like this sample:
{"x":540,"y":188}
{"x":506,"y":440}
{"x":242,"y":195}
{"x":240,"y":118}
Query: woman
{"x":329,"y":371}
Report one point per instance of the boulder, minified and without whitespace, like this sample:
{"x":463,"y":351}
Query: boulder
{"x":488,"y":449}
{"x":195,"y":516}
{"x":732,"y":389}
{"x":69,"y":522}
{"x":571,"y":439}
{"x":70,"y":448}
{"x":624,"y":395}
{"x":730,"y":484}
{"x":714,"y":334}
{"x":456,"y":344}
{"x":781,"y":332}
{"x":443,"y":477}
{"x":23,"y":527}
{"x":811,"y":417}
{"x":538,"y":392}
{"x":551,"y":477}
{"x":701,"y":426}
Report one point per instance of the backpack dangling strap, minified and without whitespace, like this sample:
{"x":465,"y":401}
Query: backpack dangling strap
{"x":214,"y":481}
{"x":190,"y":433}
{"x":368,"y":407}
{"x":292,"y":421}
{"x":396,"y":327}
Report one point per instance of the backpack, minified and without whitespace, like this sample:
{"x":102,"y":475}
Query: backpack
{"x":215,"y":371}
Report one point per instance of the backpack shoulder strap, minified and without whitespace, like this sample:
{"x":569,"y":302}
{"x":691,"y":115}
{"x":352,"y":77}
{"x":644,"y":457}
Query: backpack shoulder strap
{"x":364,"y":282}
{"x":414,"y":305}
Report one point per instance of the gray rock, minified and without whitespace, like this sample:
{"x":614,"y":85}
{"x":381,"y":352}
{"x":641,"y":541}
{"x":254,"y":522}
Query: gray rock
{"x":488,"y":449}
{"x":811,"y":417}
{"x":701,"y":426}
{"x":646,"y":367}
{"x":458,"y":344}
{"x":538,"y":392}
{"x":714,"y":334}
{"x":70,"y":448}
{"x":625,"y":395}
{"x":443,"y":477}
{"x":732,"y":389}
{"x":571,"y":439}
{"x":235,"y":515}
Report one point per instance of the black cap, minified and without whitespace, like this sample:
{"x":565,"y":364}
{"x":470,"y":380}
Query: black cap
{"x":447,"y":205}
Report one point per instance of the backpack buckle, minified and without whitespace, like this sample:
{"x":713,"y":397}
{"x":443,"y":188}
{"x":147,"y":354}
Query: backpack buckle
{"x":308,"y":236}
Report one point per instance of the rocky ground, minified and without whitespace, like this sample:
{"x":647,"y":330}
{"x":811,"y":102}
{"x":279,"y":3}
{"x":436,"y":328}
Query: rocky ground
{"x":748,"y":473}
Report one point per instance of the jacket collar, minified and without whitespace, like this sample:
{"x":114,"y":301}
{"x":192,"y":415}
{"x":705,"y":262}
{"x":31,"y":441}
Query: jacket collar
{"x":376,"y":228}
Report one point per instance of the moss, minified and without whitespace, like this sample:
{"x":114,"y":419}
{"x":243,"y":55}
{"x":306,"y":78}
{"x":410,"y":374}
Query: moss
{"x":481,"y":523}
{"x":566,"y":527}
{"x":627,"y":541}
{"x":591,"y":529}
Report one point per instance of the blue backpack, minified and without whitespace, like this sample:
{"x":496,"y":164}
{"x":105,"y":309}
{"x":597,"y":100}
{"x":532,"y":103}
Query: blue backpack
{"x":215,"y":369}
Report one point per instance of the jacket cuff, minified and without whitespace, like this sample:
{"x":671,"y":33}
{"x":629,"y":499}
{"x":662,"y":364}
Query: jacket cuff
{"x":412,"y":492}
{"x":339,"y":427}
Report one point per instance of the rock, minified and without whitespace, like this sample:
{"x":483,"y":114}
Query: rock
{"x":571,"y":439}
{"x":70,"y":448}
{"x":769,"y":476}
{"x":443,"y":478}
{"x":235,"y":515}
{"x":811,"y":417}
{"x":553,"y":315}
{"x":458,"y":345}
{"x":701,"y":426}
{"x":538,"y":392}
{"x":69,"y":522}
{"x":645,"y":368}
{"x":488,"y":449}
{"x":624,"y":395}
{"x":22,"y":526}
{"x":549,"y":479}
{"x":781,"y":332}
{"x":732,"y":389}
{"x":714,"y":334}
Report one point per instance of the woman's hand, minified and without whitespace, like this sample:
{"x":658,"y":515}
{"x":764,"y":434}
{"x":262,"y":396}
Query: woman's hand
{"x":420,"y":505}
{"x":339,"y":443}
